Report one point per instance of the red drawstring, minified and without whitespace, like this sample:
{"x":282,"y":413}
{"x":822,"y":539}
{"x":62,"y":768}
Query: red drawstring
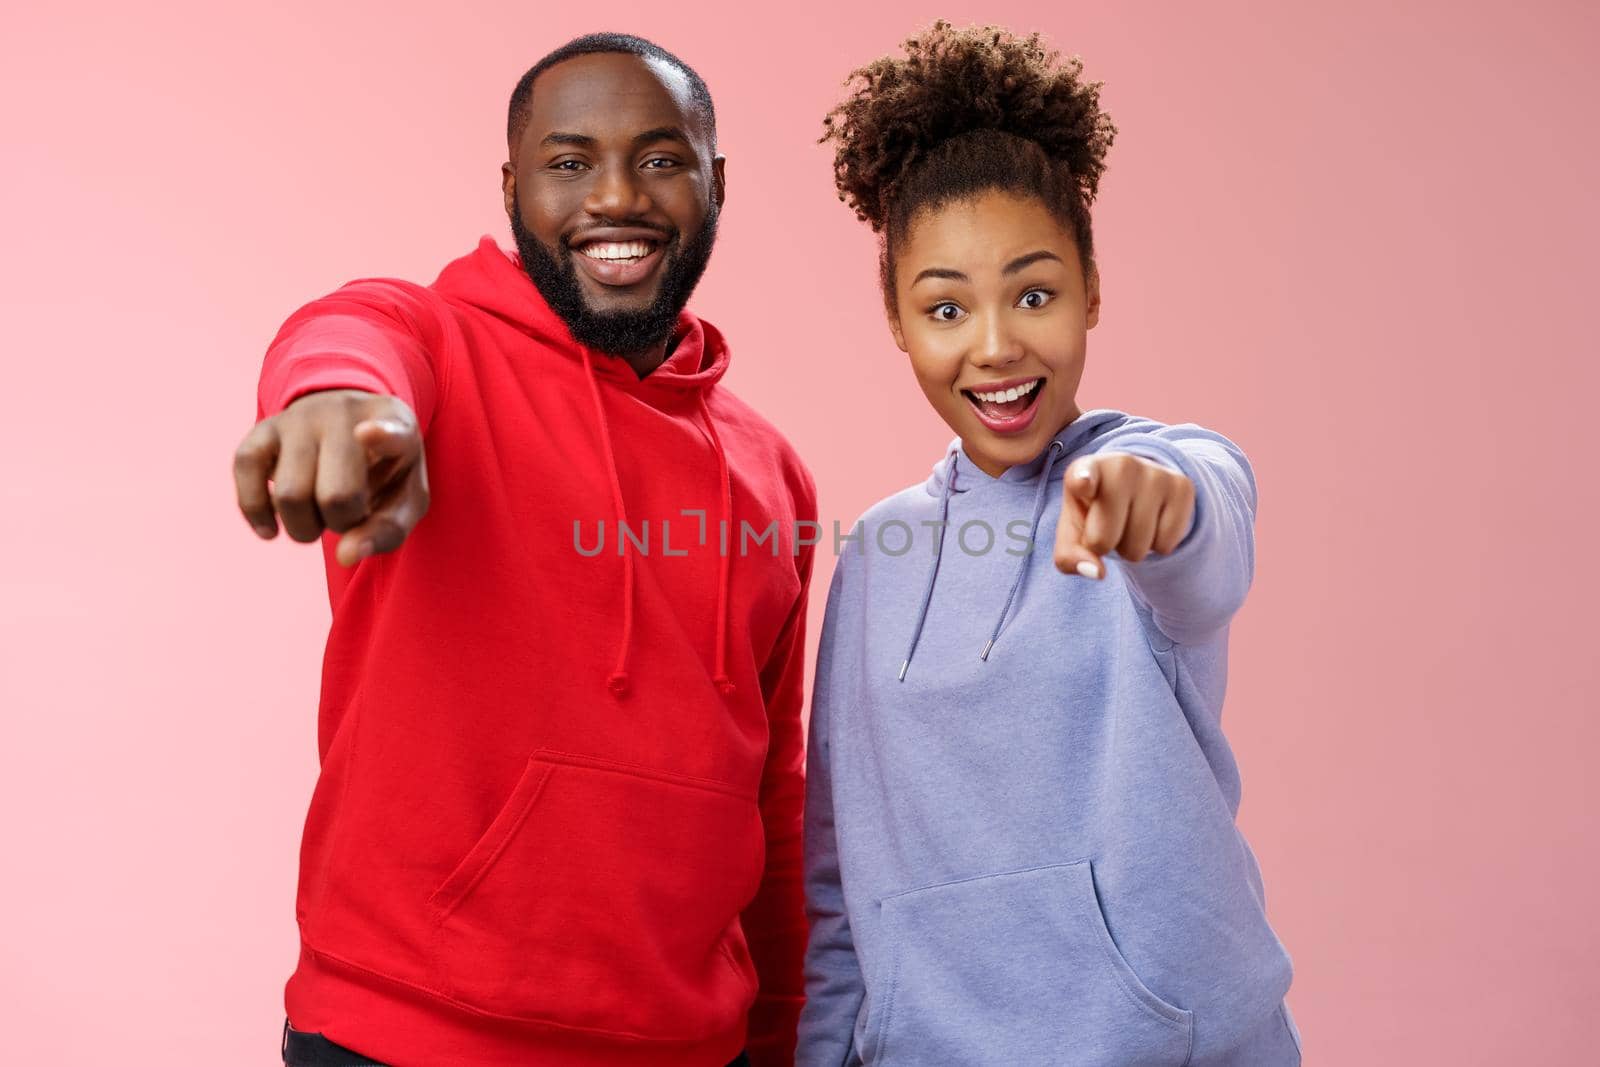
{"x":618,"y":681}
{"x":724,"y":683}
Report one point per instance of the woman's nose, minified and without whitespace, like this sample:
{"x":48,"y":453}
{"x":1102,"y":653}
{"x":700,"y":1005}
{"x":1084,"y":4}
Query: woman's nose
{"x":996,"y":346}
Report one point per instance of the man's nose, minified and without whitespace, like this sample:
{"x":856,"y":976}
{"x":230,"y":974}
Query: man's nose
{"x":616,"y":194}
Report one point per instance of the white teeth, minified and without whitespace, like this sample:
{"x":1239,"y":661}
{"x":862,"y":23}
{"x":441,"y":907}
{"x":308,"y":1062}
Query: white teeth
{"x":1008,"y":394}
{"x":609,"y":250}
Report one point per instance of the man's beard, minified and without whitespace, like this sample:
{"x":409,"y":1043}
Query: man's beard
{"x":624,"y":332}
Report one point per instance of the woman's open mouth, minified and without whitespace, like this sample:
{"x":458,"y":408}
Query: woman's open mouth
{"x":1008,"y":406}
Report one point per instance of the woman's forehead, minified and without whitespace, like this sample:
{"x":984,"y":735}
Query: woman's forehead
{"x":987,"y":230}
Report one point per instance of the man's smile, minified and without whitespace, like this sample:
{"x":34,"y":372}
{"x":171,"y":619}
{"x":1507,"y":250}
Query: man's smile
{"x":618,"y":257}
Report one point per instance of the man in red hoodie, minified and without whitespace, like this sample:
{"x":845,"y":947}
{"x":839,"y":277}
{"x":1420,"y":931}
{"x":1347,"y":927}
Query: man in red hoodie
{"x":558,"y":815}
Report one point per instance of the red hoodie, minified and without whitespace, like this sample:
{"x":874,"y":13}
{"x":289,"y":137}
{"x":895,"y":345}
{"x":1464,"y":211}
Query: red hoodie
{"x":558,"y":816}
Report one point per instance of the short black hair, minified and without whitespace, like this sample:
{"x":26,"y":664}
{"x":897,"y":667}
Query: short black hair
{"x":599,"y":43}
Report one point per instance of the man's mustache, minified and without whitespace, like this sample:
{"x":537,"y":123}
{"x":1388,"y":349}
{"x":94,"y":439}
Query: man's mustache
{"x":666,"y":238}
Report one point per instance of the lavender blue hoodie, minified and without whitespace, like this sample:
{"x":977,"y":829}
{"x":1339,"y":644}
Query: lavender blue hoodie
{"x":1021,"y":844}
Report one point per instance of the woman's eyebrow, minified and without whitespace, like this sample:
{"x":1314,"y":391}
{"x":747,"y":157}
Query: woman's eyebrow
{"x":940,"y":272}
{"x":1010,"y":268}
{"x":1032,"y":257}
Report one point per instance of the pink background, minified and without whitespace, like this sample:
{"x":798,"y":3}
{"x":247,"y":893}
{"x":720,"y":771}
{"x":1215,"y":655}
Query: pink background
{"x":1357,"y":240}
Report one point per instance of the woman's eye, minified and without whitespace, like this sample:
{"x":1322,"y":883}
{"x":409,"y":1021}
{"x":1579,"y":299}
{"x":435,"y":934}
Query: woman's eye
{"x":946,"y":312}
{"x":1035,"y":298}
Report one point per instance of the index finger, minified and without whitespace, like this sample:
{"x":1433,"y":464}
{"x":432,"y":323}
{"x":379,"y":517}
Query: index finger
{"x":1082,"y":479}
{"x":1071,"y":556}
{"x":389,"y":439}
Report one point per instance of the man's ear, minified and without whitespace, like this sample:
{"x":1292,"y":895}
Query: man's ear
{"x":719,"y":179}
{"x":1092,"y":305}
{"x":508,"y":186}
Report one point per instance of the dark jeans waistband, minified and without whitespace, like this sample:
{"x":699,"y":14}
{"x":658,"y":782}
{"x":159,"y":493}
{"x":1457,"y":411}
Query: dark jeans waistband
{"x":302,"y":1049}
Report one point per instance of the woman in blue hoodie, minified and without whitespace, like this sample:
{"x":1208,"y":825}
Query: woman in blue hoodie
{"x":1021,"y":843}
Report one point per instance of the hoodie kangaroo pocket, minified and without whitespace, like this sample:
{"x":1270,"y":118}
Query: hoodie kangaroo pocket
{"x":605,"y":896}
{"x":1015,"y":968}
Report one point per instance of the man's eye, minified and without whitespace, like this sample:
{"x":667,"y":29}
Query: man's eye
{"x":666,"y":164}
{"x":566,"y":164}
{"x":946,"y":312}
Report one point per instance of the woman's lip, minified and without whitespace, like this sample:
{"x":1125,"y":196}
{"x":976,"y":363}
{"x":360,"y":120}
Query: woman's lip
{"x":617,"y":272}
{"x":1007,"y":383}
{"x":1016,"y":423}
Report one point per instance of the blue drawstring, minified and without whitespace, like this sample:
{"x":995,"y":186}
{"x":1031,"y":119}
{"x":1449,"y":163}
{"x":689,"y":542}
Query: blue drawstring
{"x":1056,"y":447}
{"x":1056,"y":450}
{"x":933,"y":571}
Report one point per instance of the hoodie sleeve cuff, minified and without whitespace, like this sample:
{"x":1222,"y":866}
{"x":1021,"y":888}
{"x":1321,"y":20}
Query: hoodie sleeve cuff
{"x":308,"y":374}
{"x":1194,"y":590}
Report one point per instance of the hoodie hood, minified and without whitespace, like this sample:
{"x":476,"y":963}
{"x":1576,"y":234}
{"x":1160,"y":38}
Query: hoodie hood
{"x":956,"y":473}
{"x":492,"y":280}
{"x":956,"y":466}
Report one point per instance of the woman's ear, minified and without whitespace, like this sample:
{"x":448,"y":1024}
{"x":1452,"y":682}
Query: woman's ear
{"x":891,"y":301}
{"x":1092,"y":304}
{"x":894,"y":328}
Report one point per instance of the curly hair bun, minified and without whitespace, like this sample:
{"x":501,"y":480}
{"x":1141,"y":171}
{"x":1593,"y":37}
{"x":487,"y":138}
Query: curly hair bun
{"x":981,"y":85}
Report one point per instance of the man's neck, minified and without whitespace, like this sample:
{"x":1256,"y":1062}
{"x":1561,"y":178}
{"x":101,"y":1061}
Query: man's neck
{"x":648,"y":360}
